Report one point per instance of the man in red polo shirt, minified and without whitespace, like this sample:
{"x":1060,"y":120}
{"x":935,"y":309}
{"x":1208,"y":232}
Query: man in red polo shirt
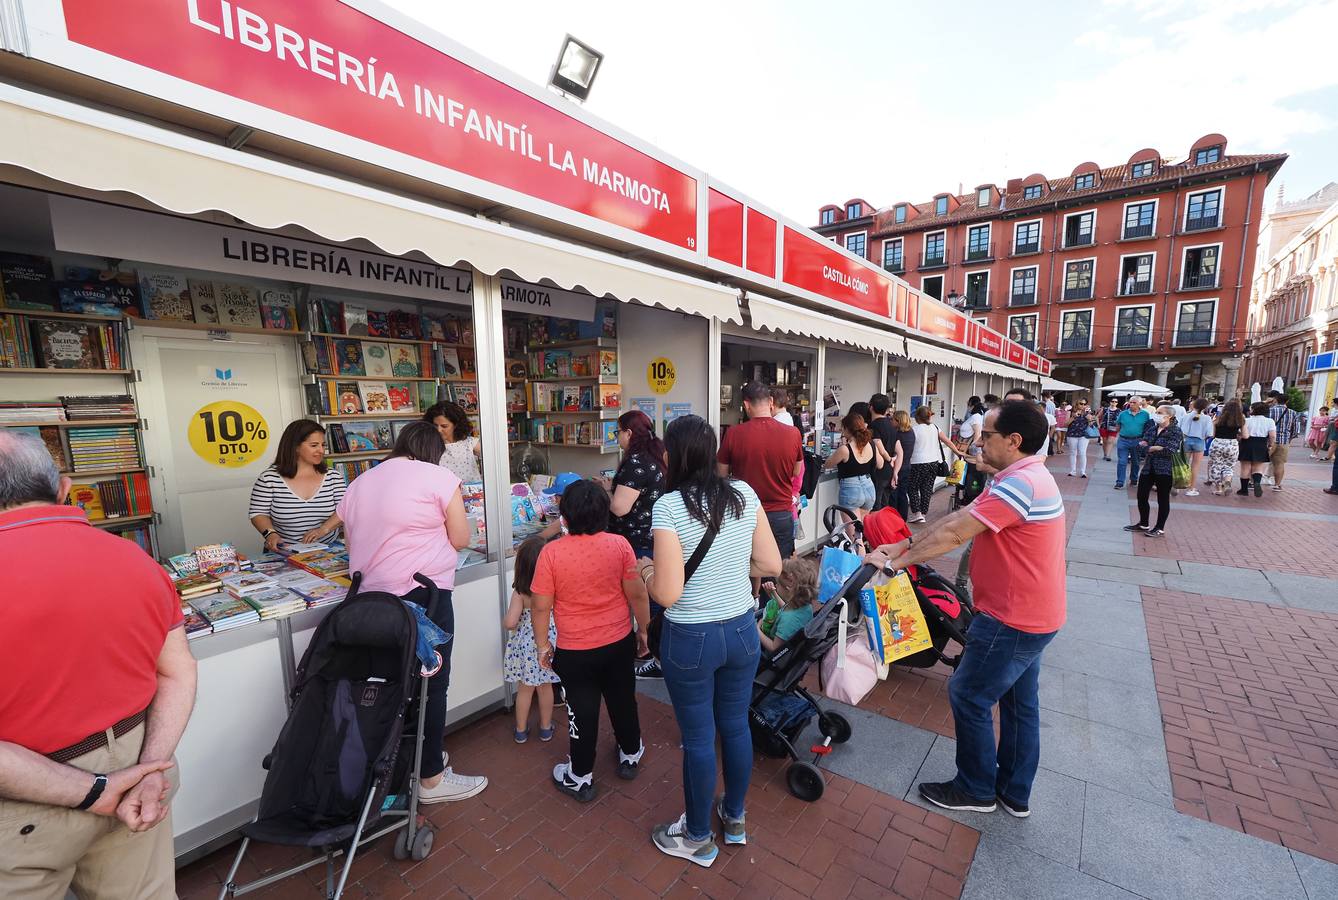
{"x":768,"y":456}
{"x":1017,"y":574}
{"x":96,"y":687}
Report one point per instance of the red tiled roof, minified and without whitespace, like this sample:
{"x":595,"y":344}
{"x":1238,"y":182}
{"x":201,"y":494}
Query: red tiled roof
{"x":1112,"y":180}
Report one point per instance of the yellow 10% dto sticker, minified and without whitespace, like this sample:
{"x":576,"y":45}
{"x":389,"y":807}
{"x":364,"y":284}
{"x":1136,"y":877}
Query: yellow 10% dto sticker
{"x":660,"y":375}
{"x":228,"y":434}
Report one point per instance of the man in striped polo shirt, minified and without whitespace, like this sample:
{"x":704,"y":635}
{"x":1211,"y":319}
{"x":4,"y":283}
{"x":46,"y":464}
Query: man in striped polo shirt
{"x":1017,"y":573}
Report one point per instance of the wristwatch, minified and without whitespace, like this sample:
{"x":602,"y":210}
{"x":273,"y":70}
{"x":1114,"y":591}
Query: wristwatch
{"x":264,"y":535}
{"x":99,"y":784}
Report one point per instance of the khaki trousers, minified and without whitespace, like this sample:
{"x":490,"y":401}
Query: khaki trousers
{"x":47,"y":850}
{"x":1279,"y":461}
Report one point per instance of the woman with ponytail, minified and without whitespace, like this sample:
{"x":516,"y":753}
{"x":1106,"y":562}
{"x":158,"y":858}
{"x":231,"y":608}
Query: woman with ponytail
{"x":855,"y":461}
{"x":709,"y":647}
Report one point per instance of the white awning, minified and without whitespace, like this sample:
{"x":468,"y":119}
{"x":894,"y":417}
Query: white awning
{"x":1054,"y":384}
{"x":918,"y":351}
{"x":100,"y":151}
{"x":770,"y":315}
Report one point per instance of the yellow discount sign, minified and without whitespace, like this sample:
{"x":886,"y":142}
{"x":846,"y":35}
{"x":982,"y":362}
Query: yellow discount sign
{"x":660,"y":374}
{"x":228,"y":434}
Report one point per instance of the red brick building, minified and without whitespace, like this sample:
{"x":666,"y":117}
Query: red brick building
{"x":1140,"y":270}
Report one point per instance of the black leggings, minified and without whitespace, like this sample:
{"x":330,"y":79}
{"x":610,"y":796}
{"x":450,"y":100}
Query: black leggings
{"x":588,"y":675}
{"x":1146,"y":482}
{"x":920,"y":484}
{"x":434,"y":722}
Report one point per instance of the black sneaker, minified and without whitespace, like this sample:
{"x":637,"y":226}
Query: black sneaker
{"x":583,"y":789}
{"x":1135,"y":528}
{"x":648,"y":668}
{"x":1259,"y":489}
{"x":629,"y":767}
{"x":1016,"y":810}
{"x":946,"y":795}
{"x":1154,"y":532}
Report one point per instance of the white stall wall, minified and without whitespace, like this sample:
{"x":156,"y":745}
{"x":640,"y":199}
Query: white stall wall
{"x":856,"y":373}
{"x":646,"y":333}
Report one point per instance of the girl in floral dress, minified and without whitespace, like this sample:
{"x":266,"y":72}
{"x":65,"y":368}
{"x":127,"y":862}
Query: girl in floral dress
{"x":520,"y":663}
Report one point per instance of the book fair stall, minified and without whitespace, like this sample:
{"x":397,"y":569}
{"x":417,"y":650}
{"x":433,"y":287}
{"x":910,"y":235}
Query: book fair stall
{"x":198,"y":247}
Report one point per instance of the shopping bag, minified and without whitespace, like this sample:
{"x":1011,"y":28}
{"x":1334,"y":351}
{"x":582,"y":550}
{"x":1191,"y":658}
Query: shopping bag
{"x":1180,"y":471}
{"x":958,"y":471}
{"x":848,"y":672}
{"x":1093,"y":432}
{"x":895,"y":623}
{"x":836,"y":566}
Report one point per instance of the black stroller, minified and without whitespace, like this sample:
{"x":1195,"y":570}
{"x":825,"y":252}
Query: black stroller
{"x":344,"y":762}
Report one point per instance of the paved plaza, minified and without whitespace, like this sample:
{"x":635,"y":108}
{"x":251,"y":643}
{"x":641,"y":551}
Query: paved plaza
{"x":1189,"y":749}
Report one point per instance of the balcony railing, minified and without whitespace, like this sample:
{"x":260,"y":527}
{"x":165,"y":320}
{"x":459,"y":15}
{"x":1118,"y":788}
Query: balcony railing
{"x":1139,"y":231}
{"x":896,"y":266}
{"x":1078,"y":293}
{"x":1199,"y":337}
{"x":1199,"y":282}
{"x":1024,"y":299}
{"x":933,"y":260}
{"x":976,"y":300}
{"x":1132,"y":341}
{"x":978,"y":253}
{"x":1027,"y":247}
{"x":1077,"y":240}
{"x":1075,"y":344}
{"x":1203,"y":223}
{"x":1133,"y":289}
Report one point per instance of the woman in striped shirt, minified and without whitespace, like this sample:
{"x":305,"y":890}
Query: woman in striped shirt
{"x":294,"y":500}
{"x":709,"y":647}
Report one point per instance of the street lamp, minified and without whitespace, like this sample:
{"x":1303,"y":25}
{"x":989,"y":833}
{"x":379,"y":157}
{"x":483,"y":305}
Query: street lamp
{"x":956,"y":300}
{"x":576,"y":67}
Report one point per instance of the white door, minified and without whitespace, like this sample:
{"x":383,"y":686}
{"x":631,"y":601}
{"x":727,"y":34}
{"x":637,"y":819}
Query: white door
{"x":215,"y":412}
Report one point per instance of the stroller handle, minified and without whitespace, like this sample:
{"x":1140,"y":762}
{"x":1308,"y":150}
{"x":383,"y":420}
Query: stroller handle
{"x":431,"y":591}
{"x":851,"y":587}
{"x":829,"y":517}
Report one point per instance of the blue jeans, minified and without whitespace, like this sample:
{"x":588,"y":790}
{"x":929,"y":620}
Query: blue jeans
{"x":857,"y":493}
{"x":709,"y":669}
{"x":999,"y":665}
{"x":782,"y":527}
{"x":1128,"y":454}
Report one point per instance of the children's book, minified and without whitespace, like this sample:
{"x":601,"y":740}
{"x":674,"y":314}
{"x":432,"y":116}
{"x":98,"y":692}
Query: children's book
{"x":404,"y":361}
{"x":347,"y":398}
{"x":361,"y":436}
{"x":165,"y":295}
{"x":376,"y":359}
{"x":25,"y":282}
{"x":450,"y":362}
{"x":238,"y":304}
{"x":355,"y":320}
{"x":349,"y":356}
{"x":375,"y":396}
{"x":401,"y":396}
{"x":278,"y":309}
{"x":378,"y":323}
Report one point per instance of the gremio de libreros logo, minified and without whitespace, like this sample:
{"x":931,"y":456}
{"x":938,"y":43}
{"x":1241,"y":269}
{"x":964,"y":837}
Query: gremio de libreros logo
{"x":217,"y":377}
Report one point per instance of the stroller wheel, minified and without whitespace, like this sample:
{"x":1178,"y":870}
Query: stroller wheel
{"x":401,"y":848}
{"x":834,"y":726}
{"x":805,"y":780}
{"x":422,"y":843}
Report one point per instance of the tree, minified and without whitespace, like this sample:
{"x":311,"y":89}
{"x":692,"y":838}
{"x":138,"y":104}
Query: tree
{"x":1295,"y":400}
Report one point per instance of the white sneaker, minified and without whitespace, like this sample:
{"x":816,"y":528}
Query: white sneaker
{"x":453,"y":787}
{"x":673,"y":840}
{"x":1191,"y":493}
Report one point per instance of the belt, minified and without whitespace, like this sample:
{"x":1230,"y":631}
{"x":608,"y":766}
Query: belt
{"x":98,"y":740}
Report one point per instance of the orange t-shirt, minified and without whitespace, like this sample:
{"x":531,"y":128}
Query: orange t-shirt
{"x":584,"y":575}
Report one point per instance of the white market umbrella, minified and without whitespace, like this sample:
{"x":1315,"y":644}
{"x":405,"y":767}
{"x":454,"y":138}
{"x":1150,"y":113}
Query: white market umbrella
{"x":1256,"y":393}
{"x":1278,"y":384}
{"x":1137,"y":387}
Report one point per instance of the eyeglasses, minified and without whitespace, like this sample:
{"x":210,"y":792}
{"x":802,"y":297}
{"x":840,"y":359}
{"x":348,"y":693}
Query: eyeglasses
{"x":986,"y":433}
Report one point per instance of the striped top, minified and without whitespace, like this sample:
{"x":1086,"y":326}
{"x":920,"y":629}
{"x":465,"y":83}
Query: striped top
{"x":292,"y":516}
{"x":720,"y":589}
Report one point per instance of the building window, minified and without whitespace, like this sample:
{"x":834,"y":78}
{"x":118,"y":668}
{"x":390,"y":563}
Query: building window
{"x":1194,"y":323}
{"x":1200,"y":268}
{"x":1079,"y":228}
{"x":983,"y":197}
{"x":853,"y":211}
{"x":1140,"y":220}
{"x":941,"y":206}
{"x":1133,"y":328}
{"x":978,"y":290}
{"x":1075,"y":331}
{"x":1143,"y":169}
{"x":1078,"y":279}
{"x":1026,"y":238}
{"x":1136,"y":274}
{"x":855,"y":243}
{"x":1024,"y":287}
{"x":1022,"y":330}
{"x":978,"y":243}
{"x":933,"y":255}
{"x":899,"y":213}
{"x":827,"y":217}
{"x":1083,"y":182}
{"x":1208,"y":155}
{"x":1204,"y":210}
{"x":1031,"y":192}
{"x":933,"y":286}
{"x":892,"y":259}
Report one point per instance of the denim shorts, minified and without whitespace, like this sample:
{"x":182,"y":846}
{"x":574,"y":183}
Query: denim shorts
{"x":1192,"y":444}
{"x":857,"y":493}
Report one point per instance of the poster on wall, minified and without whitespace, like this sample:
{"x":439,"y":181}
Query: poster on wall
{"x":831,"y":407}
{"x":931,"y":383}
{"x":648,"y":405}
{"x":674,"y":411}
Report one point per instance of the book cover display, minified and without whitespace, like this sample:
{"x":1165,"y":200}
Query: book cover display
{"x":165,"y":295}
{"x":204,"y":300}
{"x":25,"y":282}
{"x":238,"y":304}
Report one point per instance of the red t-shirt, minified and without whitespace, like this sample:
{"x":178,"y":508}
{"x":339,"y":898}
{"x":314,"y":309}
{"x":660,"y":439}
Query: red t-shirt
{"x":1017,"y":566}
{"x":83,"y":617}
{"x":762,"y":452}
{"x":584,"y":575}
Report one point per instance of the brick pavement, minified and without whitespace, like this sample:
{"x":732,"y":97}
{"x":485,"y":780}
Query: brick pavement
{"x":520,"y":838}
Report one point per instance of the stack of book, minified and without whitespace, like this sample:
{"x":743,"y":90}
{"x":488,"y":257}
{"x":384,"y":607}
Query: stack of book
{"x":18,"y":412}
{"x":16,"y":345}
{"x":104,"y":406}
{"x":324,"y":563}
{"x":194,"y":587}
{"x":224,"y":611}
{"x":196,"y":625}
{"x":314,"y":590}
{"x":113,"y":498}
{"x":263,"y":594}
{"x":103,"y":447}
{"x":547,"y":396}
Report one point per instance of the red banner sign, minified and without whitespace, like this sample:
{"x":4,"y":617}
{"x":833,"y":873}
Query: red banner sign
{"x":989,"y":342}
{"x":1017,"y":354}
{"x":1045,"y":366}
{"x":819,"y":267}
{"x":942,"y":322}
{"x":333,"y":66}
{"x":1033,"y":361}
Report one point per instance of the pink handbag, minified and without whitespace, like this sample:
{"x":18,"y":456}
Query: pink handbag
{"x":848,"y":670}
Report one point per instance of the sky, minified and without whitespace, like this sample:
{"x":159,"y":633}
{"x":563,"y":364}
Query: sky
{"x":802,"y":104}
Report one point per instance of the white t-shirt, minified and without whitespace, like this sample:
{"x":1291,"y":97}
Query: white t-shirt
{"x":1052,"y":422}
{"x":1259,"y":426}
{"x":969,"y":430}
{"x":784,"y":418}
{"x":926,"y":444}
